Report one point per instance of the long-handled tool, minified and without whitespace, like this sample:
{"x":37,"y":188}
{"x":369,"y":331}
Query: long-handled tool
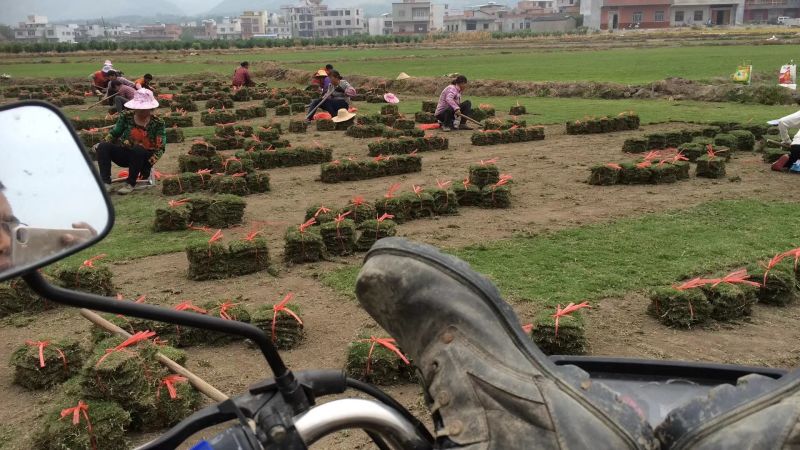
{"x":778,"y":143}
{"x":324,"y":97}
{"x":200,"y":384}
{"x":101,"y":101}
{"x":470,"y":119}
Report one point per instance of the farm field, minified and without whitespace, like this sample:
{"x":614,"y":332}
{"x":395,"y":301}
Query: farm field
{"x":561,"y":240}
{"x":630,"y":65}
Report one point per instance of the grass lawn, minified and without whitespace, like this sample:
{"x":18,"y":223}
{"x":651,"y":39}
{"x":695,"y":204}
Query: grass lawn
{"x":602,"y":260}
{"x":559,"y":110}
{"x":629,"y":65}
{"x":133,"y":237}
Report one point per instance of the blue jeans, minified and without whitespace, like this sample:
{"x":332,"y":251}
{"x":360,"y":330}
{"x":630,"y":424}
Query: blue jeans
{"x":332,"y":106}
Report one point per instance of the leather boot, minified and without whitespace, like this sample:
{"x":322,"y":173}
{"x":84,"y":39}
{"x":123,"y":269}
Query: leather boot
{"x":758,"y":413}
{"x":486,"y":383}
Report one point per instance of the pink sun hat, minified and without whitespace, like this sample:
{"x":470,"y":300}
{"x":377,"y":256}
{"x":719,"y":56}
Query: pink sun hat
{"x":143,"y":99}
{"x":391,"y":98}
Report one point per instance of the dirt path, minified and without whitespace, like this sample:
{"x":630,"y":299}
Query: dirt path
{"x":549,"y":192}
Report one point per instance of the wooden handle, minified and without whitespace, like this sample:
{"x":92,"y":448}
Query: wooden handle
{"x":200,"y":384}
{"x":471,"y":120}
{"x":101,"y":101}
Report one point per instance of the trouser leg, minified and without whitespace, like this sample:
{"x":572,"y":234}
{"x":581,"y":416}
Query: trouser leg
{"x":794,"y":155}
{"x":138,"y":163}
{"x":119,"y":103}
{"x":446,"y":117}
{"x":108,"y":153}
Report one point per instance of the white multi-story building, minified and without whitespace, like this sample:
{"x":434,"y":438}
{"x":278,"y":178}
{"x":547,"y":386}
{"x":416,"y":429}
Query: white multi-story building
{"x":229,"y":28}
{"x":300,"y":18}
{"x":380,"y":26}
{"x":338,"y":22}
{"x":278,"y":27}
{"x":33,"y":29}
{"x":253,"y":23}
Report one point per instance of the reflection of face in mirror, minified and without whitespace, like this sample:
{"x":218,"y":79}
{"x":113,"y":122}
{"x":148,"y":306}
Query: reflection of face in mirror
{"x":50,"y":201}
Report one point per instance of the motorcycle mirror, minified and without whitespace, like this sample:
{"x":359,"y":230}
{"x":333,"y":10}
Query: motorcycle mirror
{"x":52,"y":203}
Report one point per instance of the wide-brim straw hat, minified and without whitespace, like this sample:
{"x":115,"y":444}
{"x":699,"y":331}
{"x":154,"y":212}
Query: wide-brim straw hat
{"x":107,"y":67}
{"x":403,"y":76}
{"x":143,"y":99}
{"x":321,"y":73}
{"x":343,"y":115}
{"x":391,"y":98}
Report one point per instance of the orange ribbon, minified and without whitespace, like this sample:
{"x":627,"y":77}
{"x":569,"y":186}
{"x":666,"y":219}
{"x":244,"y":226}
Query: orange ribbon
{"x":417,"y":189}
{"x":169,"y":381}
{"x":42,"y":345}
{"x":388,"y":343}
{"x":392,"y":189}
{"x":571,"y":308}
{"x":135,"y":339}
{"x":321,"y":210}
{"x":488,"y":161}
{"x":223,"y":310}
{"x":282,"y":307}
{"x":443,"y":184}
{"x":176,"y":203}
{"x":614,"y":166}
{"x":90,"y":262}
{"x":796,"y":253}
{"x":772,"y":263}
{"x":736,"y":277}
{"x":217,"y":236}
{"x":308,"y":223}
{"x":189,"y":306}
{"x":76,"y":411}
{"x":466,"y":183}
{"x":644,"y":164}
{"x":710,"y":151}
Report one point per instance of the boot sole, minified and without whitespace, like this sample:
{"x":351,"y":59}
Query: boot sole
{"x":461,"y":271}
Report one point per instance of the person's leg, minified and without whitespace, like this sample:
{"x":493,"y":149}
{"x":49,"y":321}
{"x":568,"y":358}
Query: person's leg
{"x":108,"y":153}
{"x":313,"y":105}
{"x":138,"y":161}
{"x":119,"y":103}
{"x":446,"y":117}
{"x":466,"y":109}
{"x":794,"y":155}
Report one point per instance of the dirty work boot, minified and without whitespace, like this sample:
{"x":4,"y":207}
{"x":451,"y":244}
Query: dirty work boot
{"x":487,"y":385}
{"x":758,"y":413}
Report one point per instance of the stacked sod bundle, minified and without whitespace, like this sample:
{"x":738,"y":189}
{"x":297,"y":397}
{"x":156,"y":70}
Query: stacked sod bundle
{"x":482,"y":175}
{"x":679,"y":308}
{"x":338,"y":171}
{"x":729,"y":301}
{"x":512,"y":135}
{"x":182,"y":103}
{"x":128,"y":373}
{"x":297,"y":126}
{"x":175,"y":135}
{"x":91,"y":137}
{"x":407,"y":145}
{"x":391,"y":133}
{"x":635,"y":145}
{"x":221,"y":211}
{"x":403,"y":124}
{"x":392,"y":110}
{"x":228,"y":130}
{"x":226,"y":142}
{"x":86,"y":277}
{"x":213,"y":260}
{"x":187,"y":181}
{"x":242,"y":94}
{"x":325,"y":125}
{"x":295,"y":156}
{"x":87,"y":124}
{"x":484,"y":112}
{"x":467,"y":194}
{"x":237,"y":184}
{"x":445,"y":202}
{"x":252,"y":112}
{"x":108,"y":424}
{"x":359,"y":210}
{"x":281,"y":322}
{"x":773,"y":153}
{"x":365,"y":131}
{"x":304,"y":244}
{"x":743,"y":140}
{"x":339,"y":236}
{"x":177,"y":119}
{"x":372,"y":230}
{"x":429,"y":107}
{"x":497,"y":124}
{"x":378,"y":361}
{"x":556,"y":334}
{"x":283,"y":110}
{"x":605,"y":174}
{"x":517,"y":110}
{"x":424,"y":117}
{"x":45,"y":363}
{"x":297,"y":107}
{"x":622,"y":122}
{"x":16,"y":297}
{"x":219,"y":102}
{"x":710,"y":166}
{"x":779,"y":286}
{"x":217,"y":117}
{"x":641,"y":172}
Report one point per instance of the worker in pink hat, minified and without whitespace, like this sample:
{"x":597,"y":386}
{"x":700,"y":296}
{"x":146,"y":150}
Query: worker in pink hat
{"x":137,"y":141}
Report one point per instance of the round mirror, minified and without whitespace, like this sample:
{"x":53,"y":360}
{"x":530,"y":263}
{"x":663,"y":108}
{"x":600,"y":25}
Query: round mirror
{"x":51,"y":201}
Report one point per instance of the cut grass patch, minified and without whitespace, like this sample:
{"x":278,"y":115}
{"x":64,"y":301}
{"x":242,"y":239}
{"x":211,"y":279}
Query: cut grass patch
{"x":610,"y":259}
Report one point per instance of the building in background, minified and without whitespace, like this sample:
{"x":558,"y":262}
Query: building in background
{"x":380,"y":26}
{"x":32,"y":30}
{"x":300,"y":18}
{"x":411,"y":17}
{"x":278,"y":27}
{"x":253,"y":23}
{"x":229,"y":28}
{"x":159,"y":32}
{"x":770,"y":10}
{"x":338,"y":22}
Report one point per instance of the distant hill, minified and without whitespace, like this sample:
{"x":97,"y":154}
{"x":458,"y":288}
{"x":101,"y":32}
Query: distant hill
{"x":82,"y":10}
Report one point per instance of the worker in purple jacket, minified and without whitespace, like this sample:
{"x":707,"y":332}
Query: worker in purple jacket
{"x":451,"y":108}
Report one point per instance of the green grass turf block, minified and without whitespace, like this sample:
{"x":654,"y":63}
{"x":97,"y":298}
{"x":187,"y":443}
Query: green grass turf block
{"x":603,"y":175}
{"x":95,"y":280}
{"x":304,"y":247}
{"x":289,"y":333}
{"x":17,"y":297}
{"x":571,"y":337}
{"x":679,"y":309}
{"x":28,"y":371}
{"x":386,"y":368}
{"x":710,"y":167}
{"x":372,"y":230}
{"x":730,"y":302}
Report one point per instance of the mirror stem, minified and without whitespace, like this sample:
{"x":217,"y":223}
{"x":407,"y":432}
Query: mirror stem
{"x":287,"y":384}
